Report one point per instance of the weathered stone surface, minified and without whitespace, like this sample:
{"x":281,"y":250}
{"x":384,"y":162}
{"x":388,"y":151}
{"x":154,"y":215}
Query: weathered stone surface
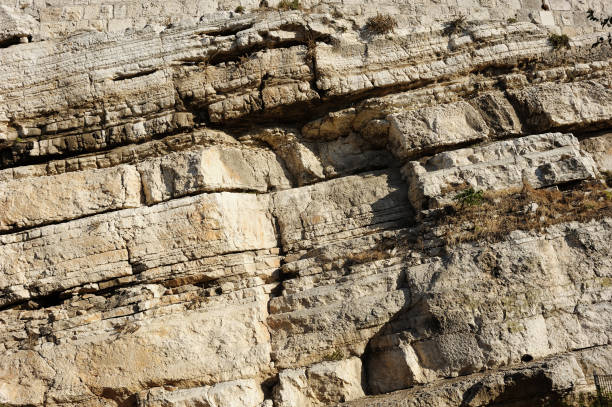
{"x":601,"y":149}
{"x":240,"y":393}
{"x":476,"y":308}
{"x":581,"y":105}
{"x":330,"y":211}
{"x":40,"y":200}
{"x":321,"y":384}
{"x":539,"y":160}
{"x":201,"y":203}
{"x":156,"y":345}
{"x":211,"y":169}
{"x":498,"y":113}
{"x":15,"y":27}
{"x":535,"y":383}
{"x":123,"y":243}
{"x":431,"y":129}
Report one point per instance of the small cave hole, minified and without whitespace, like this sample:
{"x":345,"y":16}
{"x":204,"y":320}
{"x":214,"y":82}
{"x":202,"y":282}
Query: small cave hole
{"x":526,"y":358}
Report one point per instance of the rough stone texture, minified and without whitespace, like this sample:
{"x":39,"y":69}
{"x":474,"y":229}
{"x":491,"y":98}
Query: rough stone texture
{"x":583,"y":104}
{"x":211,"y":169}
{"x":535,"y":382}
{"x":124,"y":243}
{"x":429,"y":129}
{"x":240,"y":393}
{"x":202,"y":205}
{"x":67,"y":196}
{"x":540,"y":161}
{"x":15,"y":27}
{"x":601,"y":149}
{"x":321,"y":384}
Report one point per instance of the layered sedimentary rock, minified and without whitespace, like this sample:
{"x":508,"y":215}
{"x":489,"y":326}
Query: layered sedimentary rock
{"x":266,"y":207}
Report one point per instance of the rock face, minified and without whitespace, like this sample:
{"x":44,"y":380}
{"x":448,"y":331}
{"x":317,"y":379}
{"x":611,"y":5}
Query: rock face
{"x":228,"y":204}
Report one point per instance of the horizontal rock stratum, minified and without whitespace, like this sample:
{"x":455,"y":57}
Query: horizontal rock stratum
{"x":303,"y":204}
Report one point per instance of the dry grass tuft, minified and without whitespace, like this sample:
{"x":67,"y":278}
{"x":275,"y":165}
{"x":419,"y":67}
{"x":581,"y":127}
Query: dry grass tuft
{"x":381,"y":24}
{"x":367,"y":256}
{"x":491,"y":216}
{"x":289,"y":5}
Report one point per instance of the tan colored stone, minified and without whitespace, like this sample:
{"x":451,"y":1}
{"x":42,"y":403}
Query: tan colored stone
{"x":240,"y":393}
{"x":211,"y":169}
{"x":40,"y":200}
{"x":431,"y":129}
{"x":123,"y":243}
{"x":320,"y":385}
{"x":540,"y":161}
{"x":579,"y":105}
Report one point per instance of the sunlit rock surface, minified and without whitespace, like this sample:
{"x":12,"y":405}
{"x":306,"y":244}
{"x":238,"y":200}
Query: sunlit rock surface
{"x":223,"y":203}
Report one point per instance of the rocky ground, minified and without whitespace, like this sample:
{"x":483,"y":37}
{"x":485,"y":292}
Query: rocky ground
{"x":266,"y":207}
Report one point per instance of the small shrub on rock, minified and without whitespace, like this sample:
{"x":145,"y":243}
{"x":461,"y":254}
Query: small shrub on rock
{"x":470,"y":197}
{"x":289,"y":5}
{"x":335,"y":356}
{"x":559,"y":41}
{"x":381,"y":24}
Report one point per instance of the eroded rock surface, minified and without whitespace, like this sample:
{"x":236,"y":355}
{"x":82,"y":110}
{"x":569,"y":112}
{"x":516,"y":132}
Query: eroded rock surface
{"x":233,"y":204}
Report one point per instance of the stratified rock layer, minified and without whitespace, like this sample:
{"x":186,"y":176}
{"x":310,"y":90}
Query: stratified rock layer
{"x":252,"y":207}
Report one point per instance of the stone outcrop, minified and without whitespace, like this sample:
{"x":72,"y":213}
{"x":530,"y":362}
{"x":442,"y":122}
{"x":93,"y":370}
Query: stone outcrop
{"x":16,"y":27}
{"x":222,"y":203}
{"x":539,"y":161}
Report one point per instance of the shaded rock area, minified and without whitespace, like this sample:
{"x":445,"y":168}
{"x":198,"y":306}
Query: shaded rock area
{"x":232,"y":204}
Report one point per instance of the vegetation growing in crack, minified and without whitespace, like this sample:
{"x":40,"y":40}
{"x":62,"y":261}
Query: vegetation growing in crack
{"x":381,"y":24}
{"x":559,"y":41}
{"x":289,"y":5}
{"x":239,"y":9}
{"x":335,"y":356}
{"x":469,"y":197}
{"x":500,"y":212}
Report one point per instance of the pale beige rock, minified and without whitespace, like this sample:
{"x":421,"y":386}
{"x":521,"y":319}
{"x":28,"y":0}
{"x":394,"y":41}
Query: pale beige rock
{"x":243,"y":225}
{"x":600,"y":148}
{"x":15,"y":27}
{"x":239,"y":393}
{"x":297,"y":155}
{"x":556,"y":375}
{"x":431,"y":129}
{"x":40,"y":200}
{"x":539,"y":160}
{"x":396,"y":368}
{"x":580,"y":105}
{"x":450,"y":316}
{"x":124,"y":243}
{"x":214,"y":343}
{"x":211,"y":169}
{"x":330,"y":211}
{"x":321,"y":384}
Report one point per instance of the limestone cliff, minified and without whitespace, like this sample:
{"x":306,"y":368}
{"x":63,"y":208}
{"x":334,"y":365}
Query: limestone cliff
{"x":216,"y":203}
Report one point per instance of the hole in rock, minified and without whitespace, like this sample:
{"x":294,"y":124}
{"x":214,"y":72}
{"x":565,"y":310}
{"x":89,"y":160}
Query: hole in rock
{"x":526,"y":358}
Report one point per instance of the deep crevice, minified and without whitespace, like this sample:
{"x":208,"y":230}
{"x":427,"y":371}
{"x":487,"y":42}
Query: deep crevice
{"x":227,"y":31}
{"x":12,"y":41}
{"x":122,"y":77}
